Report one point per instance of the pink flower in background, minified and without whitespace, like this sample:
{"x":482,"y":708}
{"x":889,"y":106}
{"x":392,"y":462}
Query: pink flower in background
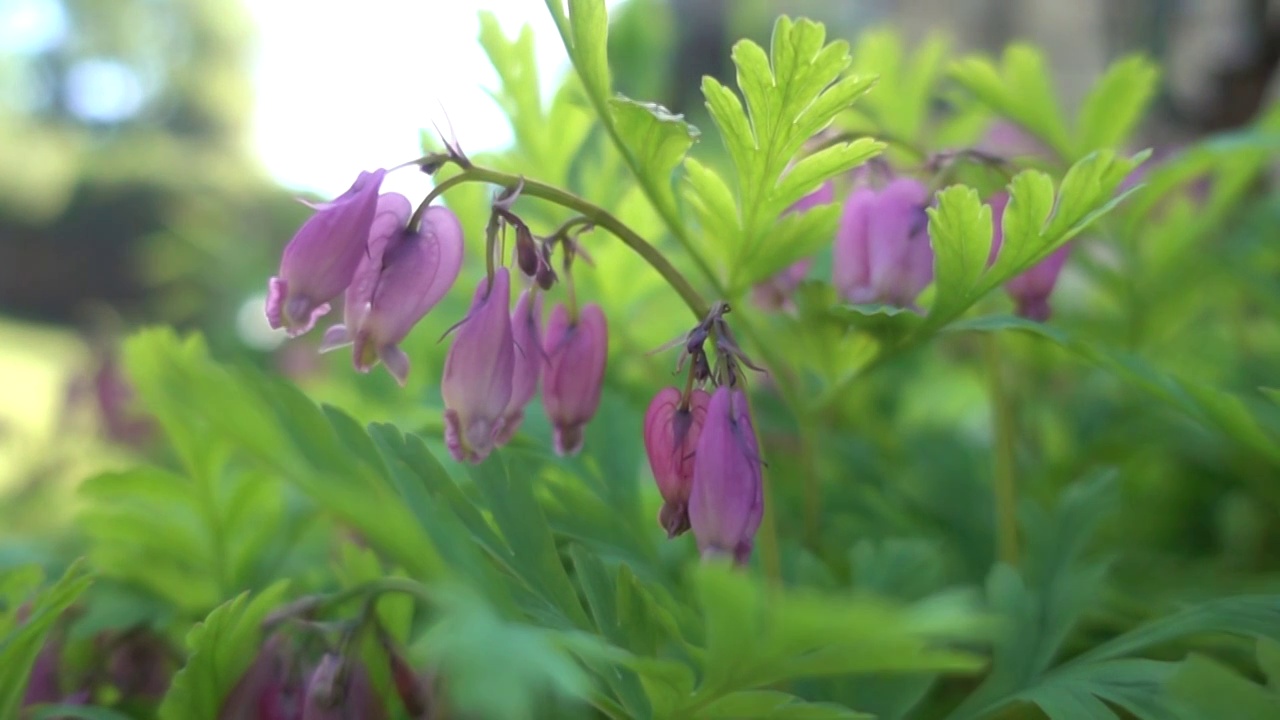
{"x":576,"y":352}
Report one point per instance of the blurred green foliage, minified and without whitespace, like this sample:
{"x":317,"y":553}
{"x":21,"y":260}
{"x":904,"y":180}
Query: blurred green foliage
{"x":1137,"y":430}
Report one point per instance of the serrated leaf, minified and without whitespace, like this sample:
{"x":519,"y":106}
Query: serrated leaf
{"x":222,"y":648}
{"x":1019,"y":89}
{"x":1116,"y":103}
{"x":20,"y":642}
{"x":960,"y":231}
{"x":788,"y":95}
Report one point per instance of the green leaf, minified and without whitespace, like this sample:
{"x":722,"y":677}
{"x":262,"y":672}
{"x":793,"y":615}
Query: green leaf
{"x":1116,"y":104}
{"x":1212,"y":690}
{"x":76,"y":712}
{"x":222,"y":648}
{"x":20,"y":642}
{"x":585,"y":31}
{"x":901,"y":101}
{"x":788,"y":96}
{"x":756,"y":637}
{"x":497,"y":669}
{"x":658,"y":140}
{"x":1021,"y":90}
{"x":1269,"y":661}
{"x":517,"y":514}
{"x":1212,"y":407}
{"x":960,"y":229}
{"x":773,"y":704}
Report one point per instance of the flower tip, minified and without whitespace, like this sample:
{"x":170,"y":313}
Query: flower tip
{"x":568,"y":440}
{"x":674,"y":518}
{"x":396,"y":362}
{"x":277,"y":291}
{"x":335,"y":338}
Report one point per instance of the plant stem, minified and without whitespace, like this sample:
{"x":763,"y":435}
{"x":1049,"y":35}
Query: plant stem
{"x":1003,"y":474}
{"x":593,"y":213}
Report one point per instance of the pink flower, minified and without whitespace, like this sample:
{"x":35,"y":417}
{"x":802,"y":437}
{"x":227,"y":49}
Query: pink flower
{"x":526,"y":333}
{"x":574,"y":372}
{"x":727,"y":500}
{"x":671,"y":435}
{"x":401,"y":277}
{"x":478,"y":372}
{"x":1030,"y":290}
{"x":321,"y":259}
{"x":882,"y":252}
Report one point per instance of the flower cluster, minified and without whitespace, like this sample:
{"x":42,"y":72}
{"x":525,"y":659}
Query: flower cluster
{"x":394,"y":265}
{"x":702,"y":447}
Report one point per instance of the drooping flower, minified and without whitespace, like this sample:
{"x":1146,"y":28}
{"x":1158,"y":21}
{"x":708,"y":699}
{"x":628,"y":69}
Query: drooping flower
{"x":526,"y":334}
{"x":775,"y":293}
{"x":341,"y":690}
{"x":727,"y":500}
{"x":574,"y":372}
{"x":1031,"y":289}
{"x":882,"y":252}
{"x":321,"y":259}
{"x":671,"y":433}
{"x":401,"y":277}
{"x":478,"y":372}
{"x":270,"y":689}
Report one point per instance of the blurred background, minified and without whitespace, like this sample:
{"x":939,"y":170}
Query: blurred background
{"x":151,"y":150}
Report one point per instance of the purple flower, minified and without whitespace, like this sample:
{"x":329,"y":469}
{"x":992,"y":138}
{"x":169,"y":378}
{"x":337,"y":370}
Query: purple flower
{"x":727,"y":501}
{"x":478,"y":372}
{"x":1030,"y":290}
{"x":882,"y":251}
{"x":321,"y":259}
{"x":269,"y":689}
{"x":341,"y":690}
{"x":775,"y":293}
{"x":402,"y":276}
{"x":671,"y":435}
{"x":574,"y":372}
{"x":526,"y":334}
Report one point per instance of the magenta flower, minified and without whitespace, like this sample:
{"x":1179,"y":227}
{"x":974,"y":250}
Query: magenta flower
{"x":775,"y":293}
{"x":321,"y":259}
{"x":670,"y":437}
{"x":268,"y":690}
{"x":1030,"y":290}
{"x":341,"y":690}
{"x":882,"y":251}
{"x":574,"y":372}
{"x":478,"y":372}
{"x":402,"y":276}
{"x":526,"y":334}
{"x":727,"y":501}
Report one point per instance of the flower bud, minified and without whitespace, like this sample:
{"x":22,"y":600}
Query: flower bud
{"x":44,"y":683}
{"x":402,"y":276}
{"x":574,"y":372}
{"x":321,"y":259}
{"x":527,"y":256}
{"x":775,"y":293}
{"x":526,"y":334}
{"x":882,"y":252}
{"x":727,"y":500}
{"x":478,"y":372}
{"x":670,"y":437}
{"x":268,"y":690}
{"x":1030,"y":290}
{"x":341,"y":690}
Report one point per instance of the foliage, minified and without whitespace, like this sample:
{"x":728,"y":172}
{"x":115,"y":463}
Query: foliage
{"x":968,"y":515}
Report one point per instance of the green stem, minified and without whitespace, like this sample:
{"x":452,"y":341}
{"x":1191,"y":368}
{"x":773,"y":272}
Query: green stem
{"x":596,"y":215}
{"x":1004,"y":482}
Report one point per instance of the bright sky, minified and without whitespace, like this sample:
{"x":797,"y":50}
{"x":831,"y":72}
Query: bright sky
{"x":341,"y":90}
